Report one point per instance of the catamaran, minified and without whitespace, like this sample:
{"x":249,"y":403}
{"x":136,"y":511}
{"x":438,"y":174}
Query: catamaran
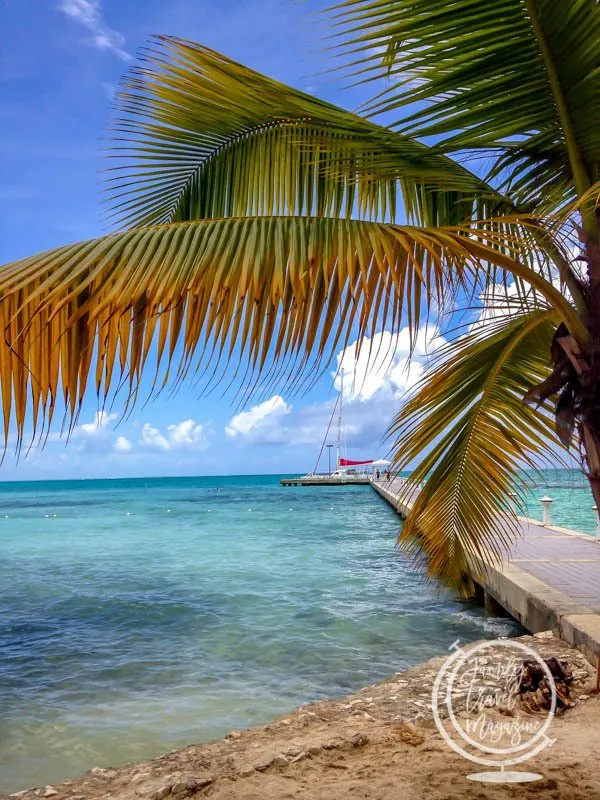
{"x":347,"y":471}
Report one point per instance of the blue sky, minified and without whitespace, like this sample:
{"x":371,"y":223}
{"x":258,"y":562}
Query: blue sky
{"x":59,"y":65}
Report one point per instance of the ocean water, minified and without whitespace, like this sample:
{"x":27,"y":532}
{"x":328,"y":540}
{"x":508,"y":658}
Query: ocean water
{"x":137,"y":616}
{"x":573,"y":501}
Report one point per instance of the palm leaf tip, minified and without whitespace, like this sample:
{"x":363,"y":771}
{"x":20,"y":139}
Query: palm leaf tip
{"x":471,"y":433}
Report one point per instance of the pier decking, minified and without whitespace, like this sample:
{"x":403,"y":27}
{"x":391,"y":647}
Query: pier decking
{"x":326,"y":480}
{"x":548,"y":580}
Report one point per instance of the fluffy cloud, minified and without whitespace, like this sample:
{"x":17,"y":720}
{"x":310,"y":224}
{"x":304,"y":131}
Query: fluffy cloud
{"x":186,"y":435}
{"x":122,"y":445}
{"x":153,"y":439}
{"x":384,"y":367}
{"x":262,"y":423}
{"x":189,"y":433}
{"x":374,"y":381}
{"x":88,"y":13}
{"x":93,"y":437}
{"x":101,"y":421}
{"x":498,"y":302}
{"x":505,"y":300}
{"x":97,"y":436}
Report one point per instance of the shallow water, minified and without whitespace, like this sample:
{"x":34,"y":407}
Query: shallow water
{"x":137,"y":616}
{"x":573,"y":501}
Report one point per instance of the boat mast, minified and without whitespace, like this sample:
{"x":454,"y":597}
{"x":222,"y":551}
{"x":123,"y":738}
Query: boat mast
{"x":339,"y":436}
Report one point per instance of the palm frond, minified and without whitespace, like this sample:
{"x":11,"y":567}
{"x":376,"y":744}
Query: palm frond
{"x":517,"y":78}
{"x":472,"y":433}
{"x":204,"y":137}
{"x":277,"y":291}
{"x":200,"y":136}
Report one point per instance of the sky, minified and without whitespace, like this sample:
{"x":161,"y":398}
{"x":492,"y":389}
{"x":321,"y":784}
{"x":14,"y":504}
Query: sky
{"x":60,"y":64}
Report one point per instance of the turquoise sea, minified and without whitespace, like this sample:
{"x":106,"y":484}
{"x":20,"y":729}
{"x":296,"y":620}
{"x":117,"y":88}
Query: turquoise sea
{"x":137,"y":616}
{"x":573,"y":501}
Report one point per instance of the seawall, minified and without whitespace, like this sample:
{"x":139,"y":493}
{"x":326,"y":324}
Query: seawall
{"x":549,"y":579}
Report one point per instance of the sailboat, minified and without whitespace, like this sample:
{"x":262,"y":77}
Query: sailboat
{"x":347,"y":471}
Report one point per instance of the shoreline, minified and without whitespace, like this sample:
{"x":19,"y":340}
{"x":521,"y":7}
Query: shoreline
{"x":129,"y":634}
{"x":340,"y":744}
{"x":546,"y":579}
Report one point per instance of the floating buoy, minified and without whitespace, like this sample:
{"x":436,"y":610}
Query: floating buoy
{"x":53,"y":515}
{"x":46,"y":515}
{"x":168,"y":510}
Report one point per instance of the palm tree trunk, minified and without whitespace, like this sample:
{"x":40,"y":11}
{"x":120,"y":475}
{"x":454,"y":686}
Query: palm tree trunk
{"x":591,"y":446}
{"x":590,"y":378}
{"x":590,"y":426}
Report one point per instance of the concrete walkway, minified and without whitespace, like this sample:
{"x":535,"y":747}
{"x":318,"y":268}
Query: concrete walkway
{"x":549,"y":578}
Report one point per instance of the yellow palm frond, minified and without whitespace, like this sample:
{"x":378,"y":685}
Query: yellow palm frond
{"x":276,"y":291}
{"x":471,"y":433}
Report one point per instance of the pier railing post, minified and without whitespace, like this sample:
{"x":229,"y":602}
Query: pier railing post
{"x":546,"y":513}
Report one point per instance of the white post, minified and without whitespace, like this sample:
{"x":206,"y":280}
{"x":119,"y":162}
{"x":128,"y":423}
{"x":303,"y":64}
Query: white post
{"x":513,"y":502}
{"x":597,"y":532}
{"x":547,"y":516}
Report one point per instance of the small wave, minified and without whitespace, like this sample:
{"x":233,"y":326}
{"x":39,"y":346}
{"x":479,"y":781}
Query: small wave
{"x":578,"y":486}
{"x":52,"y":502}
{"x":498,"y":626}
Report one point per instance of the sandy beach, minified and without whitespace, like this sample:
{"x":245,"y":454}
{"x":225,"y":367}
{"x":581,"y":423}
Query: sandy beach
{"x":378,"y":743}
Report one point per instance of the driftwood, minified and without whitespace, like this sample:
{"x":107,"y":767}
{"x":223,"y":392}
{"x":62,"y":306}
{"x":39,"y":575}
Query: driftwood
{"x":535,"y":692}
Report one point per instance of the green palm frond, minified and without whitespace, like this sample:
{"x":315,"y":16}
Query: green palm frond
{"x":204,"y":137}
{"x":200,"y":136}
{"x":519,"y":78}
{"x":471,"y":432}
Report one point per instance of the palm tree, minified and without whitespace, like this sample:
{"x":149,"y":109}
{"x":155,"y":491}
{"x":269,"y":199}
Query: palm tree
{"x":257,"y":226}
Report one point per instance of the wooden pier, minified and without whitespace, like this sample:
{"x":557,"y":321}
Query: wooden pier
{"x":327,"y":480}
{"x":549,"y":579}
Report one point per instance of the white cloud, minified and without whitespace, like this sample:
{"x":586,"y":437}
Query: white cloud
{"x":262,"y":423}
{"x":499,"y":302}
{"x":88,"y":13}
{"x":506,"y":300}
{"x":153,"y":439}
{"x":374,"y":382}
{"x":186,"y":435}
{"x":189,"y":433}
{"x":122,"y":445}
{"x":384,"y":365}
{"x":95,"y":436}
{"x":101,"y":421}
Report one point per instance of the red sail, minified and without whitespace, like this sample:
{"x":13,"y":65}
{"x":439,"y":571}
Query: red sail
{"x":346,"y":462}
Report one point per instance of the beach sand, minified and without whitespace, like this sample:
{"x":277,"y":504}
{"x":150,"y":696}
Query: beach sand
{"x":378,"y":743}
